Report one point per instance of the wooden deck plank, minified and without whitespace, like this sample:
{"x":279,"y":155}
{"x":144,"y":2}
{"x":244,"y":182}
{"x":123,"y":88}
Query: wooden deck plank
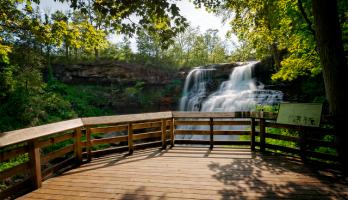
{"x":186,"y":172}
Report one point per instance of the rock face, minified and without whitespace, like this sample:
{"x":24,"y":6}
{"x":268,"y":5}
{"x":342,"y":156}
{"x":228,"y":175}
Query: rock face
{"x":111,"y":72}
{"x":128,"y":74}
{"x":159,"y":89}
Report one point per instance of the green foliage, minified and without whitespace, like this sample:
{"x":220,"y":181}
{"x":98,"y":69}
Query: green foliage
{"x":267,"y":108}
{"x":284,"y":132}
{"x":14,"y":162}
{"x":278,"y":28}
{"x":135,"y":90}
{"x":85,"y":100}
{"x":25,"y":98}
{"x":190,"y":49}
{"x":314,"y":89}
{"x":120,"y":52}
{"x":172,"y":86}
{"x":141,"y":95}
{"x":56,"y":146}
{"x":4,"y":51}
{"x":303,"y":59}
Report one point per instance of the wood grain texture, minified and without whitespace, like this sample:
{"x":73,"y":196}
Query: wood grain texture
{"x":23,"y":135}
{"x":109,"y":129}
{"x":262,"y":135}
{"x":165,"y":123}
{"x":35,"y":164}
{"x":252,"y":133}
{"x":55,"y":140}
{"x":164,"y":133}
{"x":58,"y":153}
{"x":207,"y":123}
{"x":90,"y":121}
{"x":180,"y":114}
{"x":155,"y":124}
{"x":207,"y":132}
{"x":10,"y":154}
{"x":264,"y":115}
{"x":89,"y":144}
{"x":185,"y":172}
{"x":78,"y":146}
{"x":171,"y":131}
{"x":154,"y":134}
{"x":18,"y":169}
{"x":130,"y":138}
{"x":54,"y":169}
{"x":109,"y":140}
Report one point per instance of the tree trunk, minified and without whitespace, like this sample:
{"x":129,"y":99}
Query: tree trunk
{"x":334,"y":66}
{"x":75,"y":54}
{"x":96,"y":53}
{"x":305,"y":16}
{"x":49,"y":66}
{"x":276,"y":56}
{"x":66,"y":51}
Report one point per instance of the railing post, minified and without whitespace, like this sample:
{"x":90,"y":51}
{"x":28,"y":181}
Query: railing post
{"x":164,"y":133}
{"x":88,"y":145}
{"x":130,"y":138}
{"x":302,"y":144}
{"x":77,"y":146}
{"x":211,"y":133}
{"x":35,"y":163}
{"x":262,"y":135}
{"x":172,"y":124}
{"x":252,"y":139}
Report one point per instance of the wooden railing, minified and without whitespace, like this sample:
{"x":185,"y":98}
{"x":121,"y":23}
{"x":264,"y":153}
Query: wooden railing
{"x":211,"y":120}
{"x":31,"y":155}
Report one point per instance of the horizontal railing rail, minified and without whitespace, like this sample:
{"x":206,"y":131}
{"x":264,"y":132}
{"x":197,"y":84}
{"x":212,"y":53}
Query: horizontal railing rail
{"x":31,"y":155}
{"x":309,"y":143}
{"x":209,"y":121}
{"x":263,"y":115}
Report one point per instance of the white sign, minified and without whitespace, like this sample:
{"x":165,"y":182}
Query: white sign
{"x":305,"y":114}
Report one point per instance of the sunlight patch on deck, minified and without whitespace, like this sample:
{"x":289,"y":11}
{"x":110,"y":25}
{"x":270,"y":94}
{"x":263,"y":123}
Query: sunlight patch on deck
{"x":186,"y":172}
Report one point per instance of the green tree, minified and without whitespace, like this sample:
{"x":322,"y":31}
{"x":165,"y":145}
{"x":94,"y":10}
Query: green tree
{"x":334,"y":64}
{"x":125,"y":54}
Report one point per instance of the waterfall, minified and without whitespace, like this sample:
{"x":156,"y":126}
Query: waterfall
{"x":239,"y":93}
{"x":195,"y":89}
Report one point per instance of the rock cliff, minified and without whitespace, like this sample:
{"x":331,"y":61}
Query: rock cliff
{"x":111,"y":72}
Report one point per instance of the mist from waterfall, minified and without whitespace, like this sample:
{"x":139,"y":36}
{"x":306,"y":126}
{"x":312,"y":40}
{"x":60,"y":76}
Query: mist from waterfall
{"x":239,"y":93}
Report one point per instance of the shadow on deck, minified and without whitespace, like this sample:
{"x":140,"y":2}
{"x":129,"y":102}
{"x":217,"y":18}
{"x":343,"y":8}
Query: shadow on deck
{"x":188,"y":172}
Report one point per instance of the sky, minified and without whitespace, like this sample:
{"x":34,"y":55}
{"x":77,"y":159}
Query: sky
{"x":196,"y":17}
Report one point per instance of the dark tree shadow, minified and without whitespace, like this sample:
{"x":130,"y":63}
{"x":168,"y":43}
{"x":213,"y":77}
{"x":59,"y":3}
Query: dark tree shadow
{"x":140,"y":193}
{"x":286,"y":179}
{"x":113,"y":159}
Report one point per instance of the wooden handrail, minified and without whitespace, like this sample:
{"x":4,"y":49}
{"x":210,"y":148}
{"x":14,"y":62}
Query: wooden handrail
{"x":106,"y":120}
{"x":23,"y":135}
{"x":27,"y":134}
{"x":139,"y":129}
{"x":264,"y":115}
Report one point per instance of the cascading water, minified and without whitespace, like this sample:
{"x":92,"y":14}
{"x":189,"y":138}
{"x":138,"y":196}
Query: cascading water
{"x":195,"y":89}
{"x":239,"y":93}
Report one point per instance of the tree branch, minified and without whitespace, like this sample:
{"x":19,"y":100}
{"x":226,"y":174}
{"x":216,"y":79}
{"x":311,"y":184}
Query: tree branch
{"x":305,"y":17}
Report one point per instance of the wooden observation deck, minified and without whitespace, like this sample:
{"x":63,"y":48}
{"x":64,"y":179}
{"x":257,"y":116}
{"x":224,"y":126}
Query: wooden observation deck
{"x":137,"y":157}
